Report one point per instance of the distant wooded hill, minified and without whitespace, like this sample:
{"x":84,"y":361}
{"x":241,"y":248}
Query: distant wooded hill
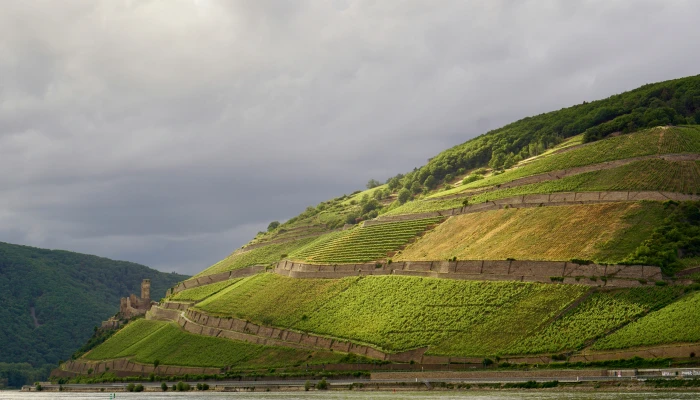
{"x":50,"y":300}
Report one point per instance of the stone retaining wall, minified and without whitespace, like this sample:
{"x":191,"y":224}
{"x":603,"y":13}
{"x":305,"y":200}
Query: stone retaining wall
{"x":496,"y":375}
{"x":554,"y":175}
{"x":689,"y":271}
{"x":681,"y":350}
{"x":214,"y":278}
{"x":162,"y":314}
{"x":491,"y":270}
{"x":124,"y":367}
{"x":201,"y":323}
{"x":543,"y":200}
{"x":177,"y":305}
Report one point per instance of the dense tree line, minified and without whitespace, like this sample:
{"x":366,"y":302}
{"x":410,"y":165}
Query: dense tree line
{"x":667,"y":103}
{"x":69,"y":293}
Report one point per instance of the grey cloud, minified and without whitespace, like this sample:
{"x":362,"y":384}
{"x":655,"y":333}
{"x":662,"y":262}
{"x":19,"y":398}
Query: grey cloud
{"x":169,"y":132}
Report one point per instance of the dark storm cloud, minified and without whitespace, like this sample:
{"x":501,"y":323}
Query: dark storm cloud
{"x":169,"y":132}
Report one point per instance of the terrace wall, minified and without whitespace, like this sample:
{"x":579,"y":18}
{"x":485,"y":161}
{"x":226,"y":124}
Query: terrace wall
{"x":679,"y":350}
{"x":491,"y":270}
{"x":214,"y":278}
{"x":542,"y":200}
{"x":554,"y":175}
{"x":123,"y":367}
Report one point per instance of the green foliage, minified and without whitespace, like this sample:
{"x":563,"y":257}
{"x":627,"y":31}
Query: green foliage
{"x":404,"y":195}
{"x":201,"y":292}
{"x":674,"y":383}
{"x":362,"y":244}
{"x":148,"y":341}
{"x":430,"y":182}
{"x":70,"y":294}
{"x":372,"y":183}
{"x":675,"y":323}
{"x":97,"y":338}
{"x":322,"y":384}
{"x":472,"y":178}
{"x":164,"y":386}
{"x":17,"y":375}
{"x":399,"y":313}
{"x":531,"y":385}
{"x":260,"y":256}
{"x":649,"y":142}
{"x":648,"y":106}
{"x":273,"y":225}
{"x":595,"y":317}
{"x":677,"y":237}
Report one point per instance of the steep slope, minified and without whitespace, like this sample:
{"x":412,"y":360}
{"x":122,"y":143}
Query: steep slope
{"x":50,"y":300}
{"x":559,"y":233}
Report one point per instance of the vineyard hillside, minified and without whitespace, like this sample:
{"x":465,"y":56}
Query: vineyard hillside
{"x":571,"y":235}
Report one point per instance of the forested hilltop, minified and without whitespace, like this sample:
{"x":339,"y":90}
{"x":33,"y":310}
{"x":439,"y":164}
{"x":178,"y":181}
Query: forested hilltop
{"x":674,"y":102}
{"x":50,"y":301}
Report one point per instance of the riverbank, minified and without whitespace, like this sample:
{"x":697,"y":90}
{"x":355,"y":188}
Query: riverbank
{"x":402,"y":383}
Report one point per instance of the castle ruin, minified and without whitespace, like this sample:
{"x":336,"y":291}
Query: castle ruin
{"x":131,"y":306}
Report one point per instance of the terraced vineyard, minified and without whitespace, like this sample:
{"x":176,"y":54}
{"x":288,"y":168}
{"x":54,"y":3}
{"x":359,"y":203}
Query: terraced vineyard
{"x":595,"y":317}
{"x":273,"y":299}
{"x":451,"y":317}
{"x":172,"y":346}
{"x":455,"y":317}
{"x":606,"y":232}
{"x":676,"y":323}
{"x":261,"y":256}
{"x":661,"y":175}
{"x":362,"y":243}
{"x":121,"y":341}
{"x":202,"y":292}
{"x":662,"y":140}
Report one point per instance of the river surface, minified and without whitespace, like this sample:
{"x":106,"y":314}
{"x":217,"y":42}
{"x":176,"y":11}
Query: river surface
{"x":503,"y":395}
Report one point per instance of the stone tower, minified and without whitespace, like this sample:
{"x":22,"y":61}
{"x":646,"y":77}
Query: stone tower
{"x":146,"y":291}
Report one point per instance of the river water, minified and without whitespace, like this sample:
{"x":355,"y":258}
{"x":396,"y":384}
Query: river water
{"x":501,"y":395}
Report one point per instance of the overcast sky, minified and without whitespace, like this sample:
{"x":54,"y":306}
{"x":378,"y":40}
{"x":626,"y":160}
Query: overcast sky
{"x":169,"y":132}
